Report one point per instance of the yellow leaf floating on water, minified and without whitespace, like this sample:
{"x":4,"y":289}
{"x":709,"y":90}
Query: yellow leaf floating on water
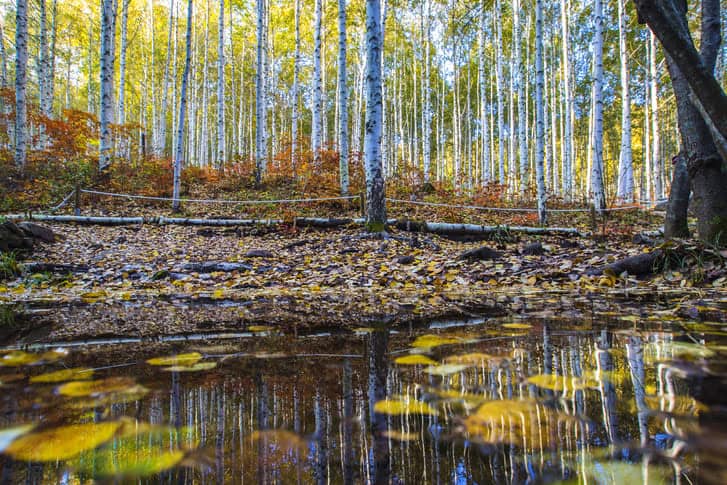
{"x":143,"y":463}
{"x":446,"y":369}
{"x":516,"y":326}
{"x":190,"y":358}
{"x":95,"y":388}
{"x":517,"y":422}
{"x":16,"y":358}
{"x":93,"y":296}
{"x":561,"y":383}
{"x":198,"y":367}
{"x":429,"y":341}
{"x":415,"y":360}
{"x":396,"y":407}
{"x":76,"y":374}
{"x":61,"y":443}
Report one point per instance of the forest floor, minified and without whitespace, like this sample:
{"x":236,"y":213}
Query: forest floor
{"x":152,"y":281}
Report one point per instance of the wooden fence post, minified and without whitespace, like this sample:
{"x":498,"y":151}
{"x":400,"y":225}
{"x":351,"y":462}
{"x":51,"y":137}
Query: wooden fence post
{"x":77,"y":202}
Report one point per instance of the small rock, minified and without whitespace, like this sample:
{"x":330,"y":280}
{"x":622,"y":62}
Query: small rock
{"x":480,"y":254}
{"x":643,"y":239}
{"x":534,"y":249}
{"x":405,"y":259}
{"x":259,"y":253}
{"x":36,"y":231}
{"x":120,"y":240}
{"x":348,"y":251}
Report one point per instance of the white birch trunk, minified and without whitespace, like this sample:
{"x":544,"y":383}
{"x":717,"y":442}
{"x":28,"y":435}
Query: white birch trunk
{"x":599,"y":198}
{"x":179,"y":154}
{"x":658,"y":166}
{"x":317,"y":127}
{"x":122,"y":62}
{"x":342,"y":98}
{"x":21,"y":63}
{"x":260,"y":136}
{"x":108,"y":24}
{"x":220,"y":155}
{"x":625,"y":166}
{"x":486,"y":174}
{"x":375,"y":192}
{"x":568,"y":100}
{"x":162,"y":135}
{"x":296,"y":94}
{"x":500,"y":107}
{"x":427,"y":92}
{"x":540,"y":112}
{"x":521,"y":121}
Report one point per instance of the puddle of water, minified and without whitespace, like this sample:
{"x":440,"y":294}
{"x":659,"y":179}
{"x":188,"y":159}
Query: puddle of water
{"x":496,"y":402}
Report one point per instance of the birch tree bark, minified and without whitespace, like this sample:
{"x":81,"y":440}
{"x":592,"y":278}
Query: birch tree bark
{"x":427,"y":92}
{"x":599,"y":198}
{"x":568,"y":101}
{"x":654,"y":108}
{"x":108,"y":24}
{"x":625,"y":167}
{"x":260,"y":136}
{"x":540,"y":112}
{"x":375,"y":192}
{"x":162,"y":135}
{"x":295,"y":95}
{"x":520,"y":92}
{"x":486,"y":174}
{"x":179,"y":155}
{"x":500,"y":106}
{"x":122,"y":62}
{"x":21,"y":63}
{"x":220,"y":155}
{"x":317,"y":128}
{"x":342,"y":98}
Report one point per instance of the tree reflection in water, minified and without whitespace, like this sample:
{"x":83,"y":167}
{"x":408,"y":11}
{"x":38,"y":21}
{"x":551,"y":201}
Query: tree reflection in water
{"x":541,"y":404}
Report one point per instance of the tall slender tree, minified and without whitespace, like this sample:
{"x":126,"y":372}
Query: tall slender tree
{"x":375,"y":191}
{"x":317,"y":108}
{"x":597,"y":192}
{"x":21,"y":63}
{"x":179,"y":154}
{"x":342,"y":98}
{"x":539,"y":113}
{"x":220,"y":154}
{"x":108,"y":26}
{"x":260,"y":128}
{"x":625,"y":166}
{"x":296,"y":93}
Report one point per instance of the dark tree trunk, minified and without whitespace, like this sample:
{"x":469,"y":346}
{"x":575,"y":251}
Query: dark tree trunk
{"x":692,"y":73}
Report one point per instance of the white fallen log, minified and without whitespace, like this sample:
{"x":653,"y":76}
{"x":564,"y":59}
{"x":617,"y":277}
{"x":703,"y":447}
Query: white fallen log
{"x":410,"y":226}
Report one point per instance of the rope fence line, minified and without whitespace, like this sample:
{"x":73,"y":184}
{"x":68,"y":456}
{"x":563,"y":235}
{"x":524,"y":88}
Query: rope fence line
{"x":79,"y":191}
{"x":503,"y":209}
{"x":218,"y":201}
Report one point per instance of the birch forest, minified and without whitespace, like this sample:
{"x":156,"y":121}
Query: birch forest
{"x":559,"y":100}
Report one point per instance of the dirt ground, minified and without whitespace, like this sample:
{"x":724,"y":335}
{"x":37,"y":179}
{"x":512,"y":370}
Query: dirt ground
{"x":169,"y":280}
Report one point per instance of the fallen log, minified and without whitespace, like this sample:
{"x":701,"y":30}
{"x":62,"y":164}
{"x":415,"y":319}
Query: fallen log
{"x":409,"y":226}
{"x":473,"y":229}
{"x":55,"y":268}
{"x":639,"y":265}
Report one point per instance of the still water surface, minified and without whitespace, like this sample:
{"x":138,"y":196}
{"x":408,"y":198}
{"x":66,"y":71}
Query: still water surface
{"x":504,"y":401}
